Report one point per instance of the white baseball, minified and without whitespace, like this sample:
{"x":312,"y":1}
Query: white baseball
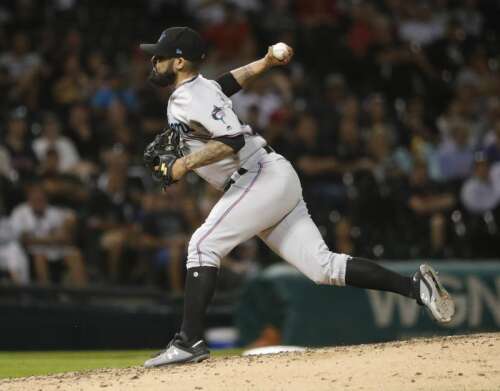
{"x":279,"y":51}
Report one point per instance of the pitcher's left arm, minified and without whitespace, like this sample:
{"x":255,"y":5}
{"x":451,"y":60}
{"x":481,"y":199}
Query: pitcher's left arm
{"x":212,"y":152}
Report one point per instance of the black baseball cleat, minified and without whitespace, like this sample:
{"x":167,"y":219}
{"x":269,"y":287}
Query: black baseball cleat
{"x":431,"y":293}
{"x":179,"y":351}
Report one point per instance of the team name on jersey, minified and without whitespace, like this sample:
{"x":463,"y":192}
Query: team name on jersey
{"x":180,"y":127}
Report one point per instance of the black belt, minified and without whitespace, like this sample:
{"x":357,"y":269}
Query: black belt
{"x":242,"y":171}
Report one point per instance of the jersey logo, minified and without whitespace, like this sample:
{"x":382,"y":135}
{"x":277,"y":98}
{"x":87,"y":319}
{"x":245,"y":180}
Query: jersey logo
{"x":218,"y":114}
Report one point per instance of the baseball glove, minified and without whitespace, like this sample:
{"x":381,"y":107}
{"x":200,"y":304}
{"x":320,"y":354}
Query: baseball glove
{"x":161,"y":154}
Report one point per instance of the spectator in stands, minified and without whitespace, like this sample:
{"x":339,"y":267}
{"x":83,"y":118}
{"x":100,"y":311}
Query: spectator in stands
{"x":360,"y":35}
{"x":164,"y":232}
{"x":47,"y":232}
{"x":429,"y":206}
{"x":478,"y":193}
{"x":13,"y":260}
{"x":470,"y":17}
{"x":10,"y":194}
{"x":51,"y":138}
{"x":110,"y":216}
{"x":73,"y":86}
{"x":317,"y":14}
{"x":377,"y":117}
{"x":260,"y":94}
{"x":455,"y":156}
{"x":112,"y":87}
{"x":21,"y":155}
{"x":447,"y":54}
{"x":6,"y":169}
{"x":350,"y":148}
{"x":230,"y":35}
{"x":493,"y":148}
{"x":97,"y":66}
{"x":118,"y":129}
{"x":495,"y":178}
{"x":418,"y":136}
{"x":456,"y":112}
{"x":20,"y":61}
{"x":82,"y":133}
{"x":62,"y":189}
{"x":387,"y":163}
{"x":314,"y":158}
{"x":278,"y":18}
{"x":350,"y":110}
{"x":395,"y":63}
{"x":421,"y":27}
{"x":329,"y":106}
{"x":491,"y":115}
{"x":478,"y":74}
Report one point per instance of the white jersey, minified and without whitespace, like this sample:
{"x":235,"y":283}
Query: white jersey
{"x":264,"y":200}
{"x":199,"y":111}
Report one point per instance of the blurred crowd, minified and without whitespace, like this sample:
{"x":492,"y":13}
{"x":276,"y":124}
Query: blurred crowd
{"x":390,"y":111}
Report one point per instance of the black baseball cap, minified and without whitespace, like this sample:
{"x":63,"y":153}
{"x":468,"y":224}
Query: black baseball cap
{"x":177,"y":42}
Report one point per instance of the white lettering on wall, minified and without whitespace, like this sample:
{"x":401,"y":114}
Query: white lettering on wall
{"x":472,"y":297}
{"x":479,"y":294}
{"x":384,"y":304}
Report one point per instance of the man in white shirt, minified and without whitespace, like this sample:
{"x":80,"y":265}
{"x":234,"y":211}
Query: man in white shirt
{"x":478,"y":192}
{"x":13,"y":260}
{"x":46,"y":232}
{"x":19,"y":61}
{"x":51,"y":138}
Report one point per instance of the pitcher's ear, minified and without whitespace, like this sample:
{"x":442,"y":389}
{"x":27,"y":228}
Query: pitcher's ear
{"x":179,"y":63}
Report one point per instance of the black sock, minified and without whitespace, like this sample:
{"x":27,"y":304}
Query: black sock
{"x":363,"y":273}
{"x":198,"y":292}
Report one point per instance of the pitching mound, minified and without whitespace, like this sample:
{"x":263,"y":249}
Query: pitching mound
{"x":448,"y":363}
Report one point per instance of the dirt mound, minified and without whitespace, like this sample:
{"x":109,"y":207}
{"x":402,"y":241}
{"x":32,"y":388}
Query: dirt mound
{"x":445,"y":363}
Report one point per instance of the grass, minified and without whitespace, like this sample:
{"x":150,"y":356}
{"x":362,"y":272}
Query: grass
{"x":19,"y":364}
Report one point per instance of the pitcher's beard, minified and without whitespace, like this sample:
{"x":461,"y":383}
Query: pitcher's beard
{"x":164,"y":80}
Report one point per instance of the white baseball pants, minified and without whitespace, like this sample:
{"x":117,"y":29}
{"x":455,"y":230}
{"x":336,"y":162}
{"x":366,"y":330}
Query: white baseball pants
{"x":267,"y":201}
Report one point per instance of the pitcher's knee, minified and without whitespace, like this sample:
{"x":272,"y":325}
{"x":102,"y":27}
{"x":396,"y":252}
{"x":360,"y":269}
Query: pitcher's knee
{"x":200,"y":253}
{"x":331,"y":269}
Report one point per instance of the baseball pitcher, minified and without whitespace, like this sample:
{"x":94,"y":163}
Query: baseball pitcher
{"x":262,"y":193}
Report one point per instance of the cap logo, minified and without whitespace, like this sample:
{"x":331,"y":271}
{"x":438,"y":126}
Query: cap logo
{"x":163,"y":35}
{"x":178,"y":51}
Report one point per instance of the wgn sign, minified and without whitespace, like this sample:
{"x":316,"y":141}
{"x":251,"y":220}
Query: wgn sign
{"x":312,"y":315}
{"x":475,"y":289}
{"x":475,"y":300}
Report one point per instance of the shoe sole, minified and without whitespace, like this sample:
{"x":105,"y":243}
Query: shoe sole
{"x":192,"y":360}
{"x":441,"y":304}
{"x":198,"y":359}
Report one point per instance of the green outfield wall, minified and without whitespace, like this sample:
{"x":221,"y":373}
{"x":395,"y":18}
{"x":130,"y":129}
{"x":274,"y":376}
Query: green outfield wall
{"x":312,"y":315}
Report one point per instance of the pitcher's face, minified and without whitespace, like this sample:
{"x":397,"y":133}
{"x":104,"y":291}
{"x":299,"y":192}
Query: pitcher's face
{"x":163,"y":73}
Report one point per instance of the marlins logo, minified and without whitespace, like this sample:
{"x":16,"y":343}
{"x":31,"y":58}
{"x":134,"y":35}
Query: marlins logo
{"x":218,"y":114}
